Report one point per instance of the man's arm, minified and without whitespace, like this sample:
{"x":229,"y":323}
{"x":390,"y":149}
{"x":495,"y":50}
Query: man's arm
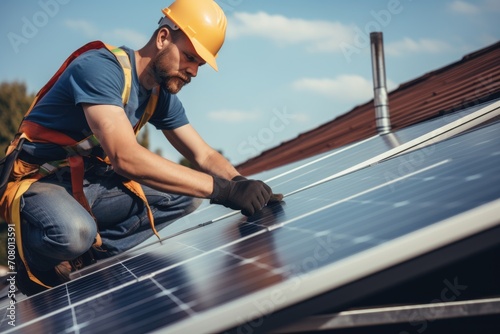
{"x":111,"y":126}
{"x":190,"y":144}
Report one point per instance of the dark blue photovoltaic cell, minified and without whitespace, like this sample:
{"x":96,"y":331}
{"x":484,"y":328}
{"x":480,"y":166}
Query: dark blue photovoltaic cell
{"x":205,"y":282}
{"x":142,"y":308}
{"x":163,"y":258}
{"x":162,"y":255}
{"x":312,"y":229}
{"x":100,"y":281}
{"x":37,"y":306}
{"x":61,"y":322}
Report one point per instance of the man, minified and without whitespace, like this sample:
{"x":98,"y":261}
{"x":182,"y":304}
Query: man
{"x":59,"y":228}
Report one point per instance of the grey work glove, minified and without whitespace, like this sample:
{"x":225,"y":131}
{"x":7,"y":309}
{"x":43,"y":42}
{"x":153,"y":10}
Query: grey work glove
{"x":249,"y":196}
{"x":275,"y":198}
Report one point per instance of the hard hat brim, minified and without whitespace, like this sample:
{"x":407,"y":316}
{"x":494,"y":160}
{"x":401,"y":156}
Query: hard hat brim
{"x":204,"y":53}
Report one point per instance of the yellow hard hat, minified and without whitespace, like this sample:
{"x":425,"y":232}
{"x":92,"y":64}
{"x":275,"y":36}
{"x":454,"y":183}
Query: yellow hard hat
{"x":204,"y":23}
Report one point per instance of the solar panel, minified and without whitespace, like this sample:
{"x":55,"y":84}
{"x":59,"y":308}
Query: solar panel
{"x":309,"y":172}
{"x":292,"y":177}
{"x":242,"y":274}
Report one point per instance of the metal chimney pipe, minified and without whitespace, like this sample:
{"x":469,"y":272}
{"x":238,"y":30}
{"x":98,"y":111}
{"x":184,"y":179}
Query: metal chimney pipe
{"x":381,"y":100}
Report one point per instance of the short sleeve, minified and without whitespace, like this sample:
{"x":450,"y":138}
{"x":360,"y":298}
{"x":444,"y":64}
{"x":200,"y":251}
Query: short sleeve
{"x":170,"y":113}
{"x":97,"y":78}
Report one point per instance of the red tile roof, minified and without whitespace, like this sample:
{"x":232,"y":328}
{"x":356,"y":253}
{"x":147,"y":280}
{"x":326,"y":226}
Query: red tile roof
{"x":473,"y":79}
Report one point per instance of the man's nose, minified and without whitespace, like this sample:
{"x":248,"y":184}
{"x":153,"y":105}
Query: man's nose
{"x":192,"y":70}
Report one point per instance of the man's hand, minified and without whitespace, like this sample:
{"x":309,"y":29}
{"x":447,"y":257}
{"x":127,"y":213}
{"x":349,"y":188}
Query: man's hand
{"x":275,"y":198}
{"x":249,"y":196}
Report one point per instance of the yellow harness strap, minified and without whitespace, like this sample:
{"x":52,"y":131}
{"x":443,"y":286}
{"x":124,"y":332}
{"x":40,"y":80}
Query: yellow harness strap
{"x":136,"y":189}
{"x":150,"y":109}
{"x":16,"y":218}
{"x":124,"y":61}
{"x":132,"y":185}
{"x":13,"y":213}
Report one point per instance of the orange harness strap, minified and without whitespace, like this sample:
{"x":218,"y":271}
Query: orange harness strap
{"x":40,"y":134}
{"x":77,"y":168}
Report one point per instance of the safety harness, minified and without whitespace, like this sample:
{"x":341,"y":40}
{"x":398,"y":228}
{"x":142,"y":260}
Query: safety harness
{"x":24,"y":174}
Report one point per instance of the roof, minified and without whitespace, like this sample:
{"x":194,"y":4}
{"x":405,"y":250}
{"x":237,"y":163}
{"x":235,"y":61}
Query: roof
{"x":473,"y":79}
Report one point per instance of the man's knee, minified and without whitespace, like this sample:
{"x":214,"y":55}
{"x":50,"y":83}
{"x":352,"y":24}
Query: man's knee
{"x":69,"y":241}
{"x":80,"y":238}
{"x":55,"y":224}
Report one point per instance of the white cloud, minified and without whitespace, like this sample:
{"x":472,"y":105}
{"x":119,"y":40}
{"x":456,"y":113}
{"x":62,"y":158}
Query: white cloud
{"x":352,"y":88}
{"x":316,"y":35}
{"x":233,"y":116}
{"x":463,"y":7}
{"x":122,"y":36}
{"x":86,"y":28}
{"x":492,"y":5}
{"x":478,"y":7}
{"x":127,"y":37}
{"x":411,"y":46}
{"x":348,"y":88}
{"x":485,"y":39}
{"x":300,"y":117}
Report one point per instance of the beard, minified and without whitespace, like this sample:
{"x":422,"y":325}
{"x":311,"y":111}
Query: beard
{"x":172,"y":81}
{"x":173,"y":84}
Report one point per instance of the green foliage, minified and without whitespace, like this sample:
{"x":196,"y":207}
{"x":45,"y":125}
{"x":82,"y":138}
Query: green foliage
{"x":143,"y":137}
{"x":14,"y":102}
{"x":186,"y":162}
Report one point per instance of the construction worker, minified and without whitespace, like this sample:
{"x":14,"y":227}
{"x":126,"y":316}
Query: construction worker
{"x":82,"y":188}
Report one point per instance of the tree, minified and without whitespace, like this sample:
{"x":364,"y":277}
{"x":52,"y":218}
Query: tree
{"x":143,"y":137}
{"x":14,"y":102}
{"x":185,"y":162}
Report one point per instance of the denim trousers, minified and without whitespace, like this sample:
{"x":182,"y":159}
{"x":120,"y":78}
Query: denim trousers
{"x":55,"y":227}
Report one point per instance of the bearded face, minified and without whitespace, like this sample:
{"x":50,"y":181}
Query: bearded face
{"x":166,"y":72}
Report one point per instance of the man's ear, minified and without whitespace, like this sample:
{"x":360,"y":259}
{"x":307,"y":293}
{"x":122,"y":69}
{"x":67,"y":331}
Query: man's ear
{"x":162,"y":38}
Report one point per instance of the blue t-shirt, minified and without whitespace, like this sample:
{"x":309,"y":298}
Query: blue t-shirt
{"x":96,"y":77}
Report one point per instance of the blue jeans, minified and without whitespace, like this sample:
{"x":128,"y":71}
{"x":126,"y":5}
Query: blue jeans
{"x":55,"y":227}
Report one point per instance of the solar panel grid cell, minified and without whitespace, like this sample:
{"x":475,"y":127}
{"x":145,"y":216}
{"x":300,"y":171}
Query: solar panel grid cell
{"x":211,"y":285}
{"x":142,"y":307}
{"x":159,"y":259}
{"x":61,"y":322}
{"x":37,"y":306}
{"x":99,"y":282}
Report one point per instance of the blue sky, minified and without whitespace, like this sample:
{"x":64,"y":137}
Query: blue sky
{"x":287,"y":65}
